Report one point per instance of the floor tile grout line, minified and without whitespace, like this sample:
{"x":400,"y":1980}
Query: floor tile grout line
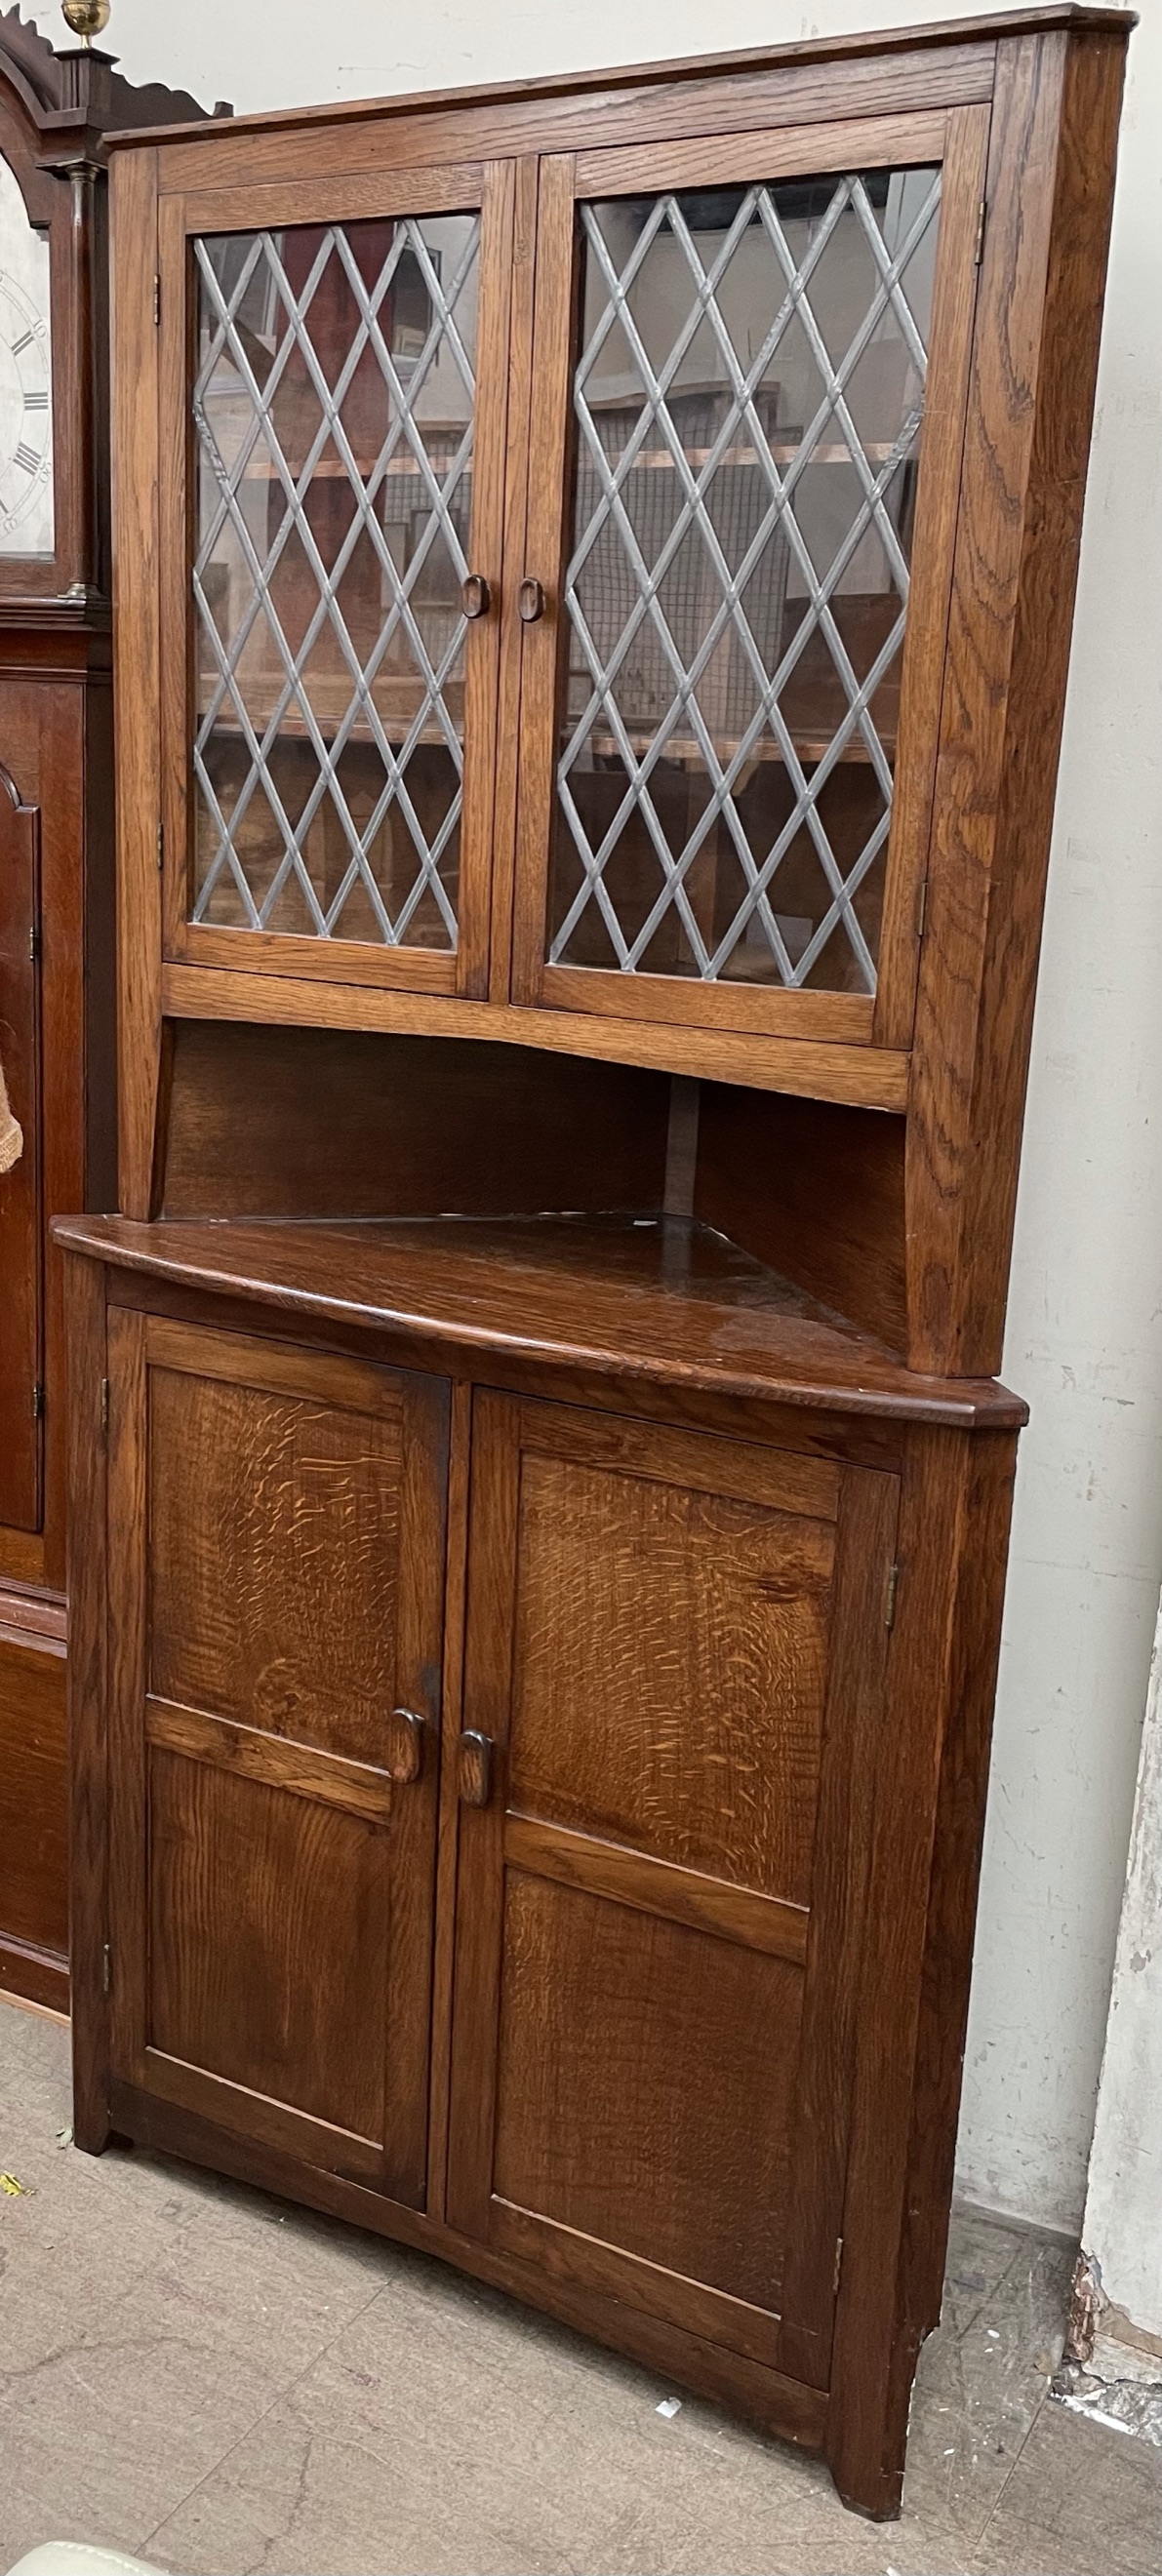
{"x":279,"y":2399}
{"x":1018,"y":2455}
{"x":987,"y":2298}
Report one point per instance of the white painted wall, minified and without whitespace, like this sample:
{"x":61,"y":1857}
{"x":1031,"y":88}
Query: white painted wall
{"x":1085,"y":1335}
{"x":1123,"y":2209}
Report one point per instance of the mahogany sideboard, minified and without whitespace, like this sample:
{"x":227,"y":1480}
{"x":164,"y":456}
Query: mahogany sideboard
{"x":594,"y":569}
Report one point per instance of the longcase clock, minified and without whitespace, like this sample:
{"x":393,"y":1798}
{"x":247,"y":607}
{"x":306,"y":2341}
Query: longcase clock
{"x":56,"y":887}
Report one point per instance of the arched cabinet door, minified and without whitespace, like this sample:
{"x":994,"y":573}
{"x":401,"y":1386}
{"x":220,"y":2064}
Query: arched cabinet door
{"x":21,"y":1441}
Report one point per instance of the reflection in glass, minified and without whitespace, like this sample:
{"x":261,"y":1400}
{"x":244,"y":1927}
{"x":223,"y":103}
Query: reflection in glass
{"x":333,"y":414}
{"x":748,"y":400}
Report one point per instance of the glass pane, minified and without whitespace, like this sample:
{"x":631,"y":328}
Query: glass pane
{"x":333,"y":413}
{"x":749,"y":400}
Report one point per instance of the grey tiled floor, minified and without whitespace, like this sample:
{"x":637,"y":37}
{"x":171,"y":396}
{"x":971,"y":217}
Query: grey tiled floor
{"x":199,"y":2375}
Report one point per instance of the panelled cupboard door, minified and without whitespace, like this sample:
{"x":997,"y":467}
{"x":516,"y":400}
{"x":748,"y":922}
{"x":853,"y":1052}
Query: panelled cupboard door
{"x":674,"y":1668}
{"x":276,"y":1574}
{"x":749,"y":390}
{"x":333,"y":392}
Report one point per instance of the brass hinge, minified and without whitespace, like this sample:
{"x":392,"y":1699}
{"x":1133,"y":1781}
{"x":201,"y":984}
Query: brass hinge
{"x":157,"y":303}
{"x":38,"y":1400}
{"x":160,"y":846}
{"x":106,"y":1967}
{"x":890,"y":1597}
{"x":981,"y":221}
{"x":838,"y":2266}
{"x":34,"y":943}
{"x":104,"y":1406}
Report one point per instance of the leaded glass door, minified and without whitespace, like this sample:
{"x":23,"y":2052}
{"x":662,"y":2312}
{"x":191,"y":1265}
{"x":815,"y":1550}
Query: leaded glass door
{"x":736,"y":624}
{"x":332,"y":560}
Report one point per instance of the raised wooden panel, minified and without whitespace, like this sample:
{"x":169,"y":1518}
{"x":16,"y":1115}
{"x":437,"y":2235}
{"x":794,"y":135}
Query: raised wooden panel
{"x":276,"y":1534}
{"x":646,"y":2075}
{"x":33,"y":1798}
{"x":274,"y":1560}
{"x":675,"y":1648}
{"x":268,"y":1933}
{"x":670,"y":1660}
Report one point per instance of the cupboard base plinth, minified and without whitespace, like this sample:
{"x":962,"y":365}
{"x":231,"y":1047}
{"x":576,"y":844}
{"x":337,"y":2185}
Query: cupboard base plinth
{"x":777,"y":2405}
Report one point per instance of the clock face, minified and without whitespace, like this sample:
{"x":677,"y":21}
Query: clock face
{"x":26,"y":445}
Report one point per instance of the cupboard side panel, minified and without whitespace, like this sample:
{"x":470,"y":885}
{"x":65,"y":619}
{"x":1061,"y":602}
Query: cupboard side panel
{"x":1034,"y":362}
{"x":128,"y":1447}
{"x":851,"y":1753}
{"x":947,"y":1971}
{"x":88,"y":1702}
{"x":865,"y":2441}
{"x":136,"y":467}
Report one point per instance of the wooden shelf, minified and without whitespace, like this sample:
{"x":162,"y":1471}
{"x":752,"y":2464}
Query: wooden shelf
{"x":658,"y":1298}
{"x":651,"y":460}
{"x":765,"y":755}
{"x":810,"y":747}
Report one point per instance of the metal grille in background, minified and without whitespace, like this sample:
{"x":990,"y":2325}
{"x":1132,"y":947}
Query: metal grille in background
{"x":683,"y":654}
{"x":336,"y":489}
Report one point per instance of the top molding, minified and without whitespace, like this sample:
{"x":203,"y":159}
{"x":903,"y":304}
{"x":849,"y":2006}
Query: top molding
{"x":1071,"y":15}
{"x":71,"y":98}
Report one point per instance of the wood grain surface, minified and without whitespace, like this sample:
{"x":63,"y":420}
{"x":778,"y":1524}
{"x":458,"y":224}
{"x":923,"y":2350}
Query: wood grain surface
{"x":668,"y":1303}
{"x":1034,"y":363}
{"x":402,"y":1126}
{"x":538,"y":1692}
{"x":277,"y":1528}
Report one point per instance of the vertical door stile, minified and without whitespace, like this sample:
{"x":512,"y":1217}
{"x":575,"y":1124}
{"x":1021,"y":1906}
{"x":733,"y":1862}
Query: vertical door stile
{"x":549,"y":448}
{"x":484,"y":641}
{"x":866,"y":1530}
{"x":176,"y":361}
{"x":525,"y":186}
{"x":488,"y":1670}
{"x":407,"y":2032}
{"x":962,"y":183}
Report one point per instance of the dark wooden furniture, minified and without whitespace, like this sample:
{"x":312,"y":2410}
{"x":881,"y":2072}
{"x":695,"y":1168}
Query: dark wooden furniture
{"x":594,"y":576}
{"x":57,"y":969}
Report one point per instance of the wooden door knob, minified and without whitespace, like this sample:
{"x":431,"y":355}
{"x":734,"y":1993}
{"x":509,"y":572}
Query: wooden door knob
{"x":405,"y":1758}
{"x":474,"y":1768}
{"x":476,"y":595}
{"x":530,"y":600}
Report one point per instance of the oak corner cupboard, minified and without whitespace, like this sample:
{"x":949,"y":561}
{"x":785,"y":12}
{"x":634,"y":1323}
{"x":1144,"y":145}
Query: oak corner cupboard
{"x":595,"y":564}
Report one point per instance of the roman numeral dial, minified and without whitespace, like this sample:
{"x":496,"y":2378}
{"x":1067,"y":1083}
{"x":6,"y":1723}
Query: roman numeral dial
{"x":27,"y":518}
